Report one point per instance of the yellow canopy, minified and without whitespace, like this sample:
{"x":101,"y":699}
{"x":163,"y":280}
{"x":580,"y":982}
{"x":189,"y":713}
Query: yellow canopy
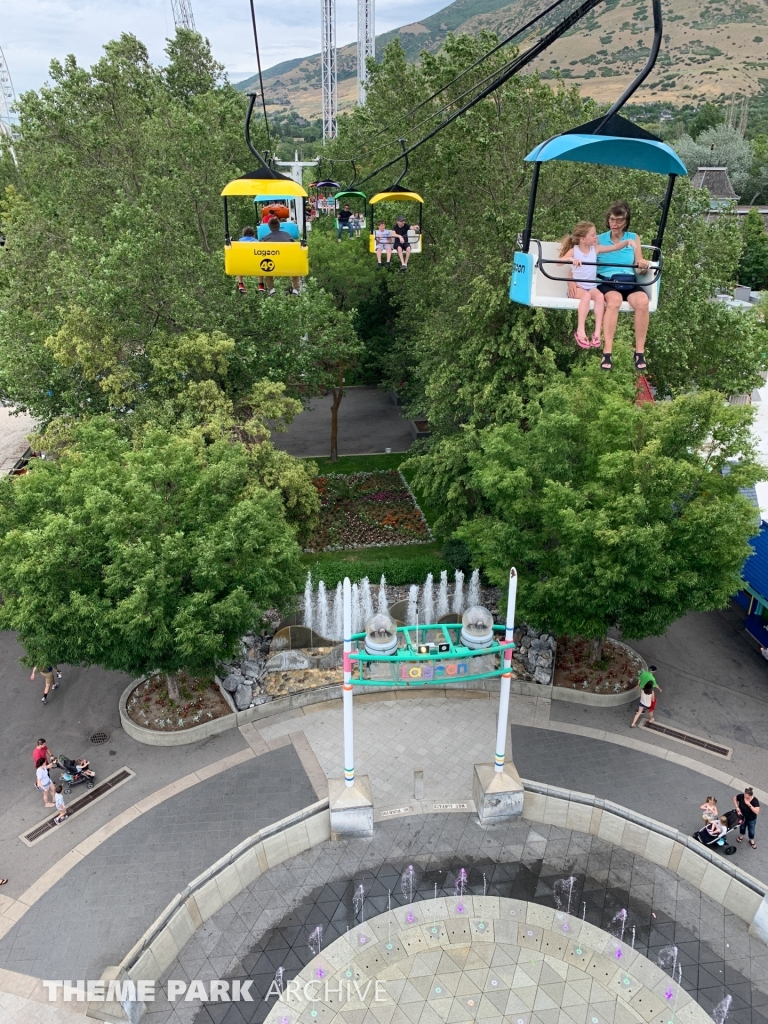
{"x":250,"y":185}
{"x":382,"y":197}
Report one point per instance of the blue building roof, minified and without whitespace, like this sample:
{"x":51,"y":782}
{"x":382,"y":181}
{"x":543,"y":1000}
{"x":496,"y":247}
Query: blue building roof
{"x":755,"y":571}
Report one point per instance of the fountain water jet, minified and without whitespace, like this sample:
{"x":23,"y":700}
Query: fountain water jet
{"x":365,"y":588}
{"x":413,"y":604}
{"x":357,"y":610}
{"x":428,"y":601}
{"x":442,"y":595}
{"x":473,"y":594}
{"x":562,"y":892}
{"x":322,"y":609}
{"x":460,"y":888}
{"x":383,"y":602}
{"x":616,"y":928}
{"x":309,"y":618}
{"x":407,"y":884}
{"x":458,"y":592}
{"x":338,"y":611}
{"x":721,"y":1011}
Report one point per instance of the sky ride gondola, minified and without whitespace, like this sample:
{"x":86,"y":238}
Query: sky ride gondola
{"x":539,"y":277}
{"x":259,"y":258}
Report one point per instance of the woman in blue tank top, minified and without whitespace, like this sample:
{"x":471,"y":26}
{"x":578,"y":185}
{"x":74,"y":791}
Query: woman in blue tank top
{"x":618,"y":268}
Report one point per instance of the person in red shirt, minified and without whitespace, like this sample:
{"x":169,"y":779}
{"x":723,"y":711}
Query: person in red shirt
{"x":41,"y":750}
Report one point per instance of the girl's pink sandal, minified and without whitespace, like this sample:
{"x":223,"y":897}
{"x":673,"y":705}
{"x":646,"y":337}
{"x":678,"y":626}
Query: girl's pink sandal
{"x":581,"y":340}
{"x":594,"y":341}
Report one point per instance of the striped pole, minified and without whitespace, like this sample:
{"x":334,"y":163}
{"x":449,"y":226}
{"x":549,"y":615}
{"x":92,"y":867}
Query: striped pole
{"x":349,"y":751}
{"x":501,"y":729}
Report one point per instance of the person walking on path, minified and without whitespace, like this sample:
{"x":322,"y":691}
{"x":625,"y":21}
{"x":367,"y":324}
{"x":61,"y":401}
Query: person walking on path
{"x":44,"y":783}
{"x":646,"y":704}
{"x":749,"y":807}
{"x":48,"y":674}
{"x":61,"y":807}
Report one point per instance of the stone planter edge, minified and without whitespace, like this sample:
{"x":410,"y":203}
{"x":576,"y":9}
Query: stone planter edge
{"x":179,"y":737}
{"x":602,"y":700}
{"x":482,"y":688}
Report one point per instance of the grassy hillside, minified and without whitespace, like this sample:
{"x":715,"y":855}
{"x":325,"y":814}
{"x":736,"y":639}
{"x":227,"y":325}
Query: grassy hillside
{"x":710,"y":49}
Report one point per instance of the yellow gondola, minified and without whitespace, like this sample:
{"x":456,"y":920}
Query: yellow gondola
{"x":397,"y":194}
{"x":270,"y":259}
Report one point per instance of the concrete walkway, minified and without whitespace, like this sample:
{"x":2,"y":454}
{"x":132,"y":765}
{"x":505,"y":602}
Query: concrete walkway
{"x":14,"y":428}
{"x":187,"y":805}
{"x":368,"y":424}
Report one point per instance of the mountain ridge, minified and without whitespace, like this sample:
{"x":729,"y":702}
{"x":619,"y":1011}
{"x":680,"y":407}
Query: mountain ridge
{"x":711,"y":49}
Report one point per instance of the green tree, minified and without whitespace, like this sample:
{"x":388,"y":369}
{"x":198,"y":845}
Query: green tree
{"x":709,"y":115}
{"x":155,"y":553}
{"x":616,"y":515}
{"x":753,"y":266}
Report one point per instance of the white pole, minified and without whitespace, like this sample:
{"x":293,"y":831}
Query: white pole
{"x":349,"y":751}
{"x":501,"y":729}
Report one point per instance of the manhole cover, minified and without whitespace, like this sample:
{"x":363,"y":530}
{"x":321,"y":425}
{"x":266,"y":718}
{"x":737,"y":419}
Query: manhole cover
{"x":99,"y":737}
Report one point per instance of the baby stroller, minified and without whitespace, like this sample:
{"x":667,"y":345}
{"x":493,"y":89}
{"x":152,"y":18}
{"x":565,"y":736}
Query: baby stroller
{"x":73,"y":774}
{"x":733,"y":820}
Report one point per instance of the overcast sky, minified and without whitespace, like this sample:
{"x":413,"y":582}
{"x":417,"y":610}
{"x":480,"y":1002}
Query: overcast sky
{"x":34,"y":31}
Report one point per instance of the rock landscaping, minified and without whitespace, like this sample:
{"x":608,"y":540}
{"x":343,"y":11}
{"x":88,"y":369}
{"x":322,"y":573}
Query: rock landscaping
{"x":534,"y":657}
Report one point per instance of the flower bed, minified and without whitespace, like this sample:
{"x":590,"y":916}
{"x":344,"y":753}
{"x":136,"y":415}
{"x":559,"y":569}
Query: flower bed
{"x":362,"y":510}
{"x":201,"y":701}
{"x":617,"y":672}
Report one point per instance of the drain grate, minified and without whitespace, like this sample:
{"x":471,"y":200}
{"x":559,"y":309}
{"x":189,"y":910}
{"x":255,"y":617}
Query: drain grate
{"x":99,"y":737}
{"x":103,"y":788}
{"x":692,"y":741}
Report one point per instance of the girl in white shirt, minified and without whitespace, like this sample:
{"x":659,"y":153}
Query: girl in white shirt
{"x":581,"y":248}
{"x":44,"y":783}
{"x":382,"y":242}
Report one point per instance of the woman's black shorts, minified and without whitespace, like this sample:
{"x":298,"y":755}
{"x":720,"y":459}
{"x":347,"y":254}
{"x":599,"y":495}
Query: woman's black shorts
{"x":623,"y":288}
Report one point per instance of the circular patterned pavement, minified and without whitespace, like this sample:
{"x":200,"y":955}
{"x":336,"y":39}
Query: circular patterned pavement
{"x":481,"y":958}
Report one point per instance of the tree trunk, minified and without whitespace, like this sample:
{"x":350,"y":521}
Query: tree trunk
{"x":338,"y":394}
{"x":173,"y":687}
{"x":597,"y":648}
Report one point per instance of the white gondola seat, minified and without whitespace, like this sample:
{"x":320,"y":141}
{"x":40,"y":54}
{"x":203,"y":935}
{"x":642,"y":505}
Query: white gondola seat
{"x":531,"y":286}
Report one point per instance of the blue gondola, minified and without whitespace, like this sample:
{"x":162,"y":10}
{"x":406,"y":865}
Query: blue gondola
{"x":539,"y":277}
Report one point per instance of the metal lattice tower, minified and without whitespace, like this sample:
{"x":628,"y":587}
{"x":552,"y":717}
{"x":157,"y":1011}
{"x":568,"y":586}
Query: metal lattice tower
{"x":182,"y":14}
{"x":329,"y":75}
{"x":7,"y":97}
{"x":366,"y":42}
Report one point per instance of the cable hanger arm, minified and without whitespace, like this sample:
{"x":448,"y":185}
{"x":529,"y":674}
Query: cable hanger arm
{"x":522,"y":61}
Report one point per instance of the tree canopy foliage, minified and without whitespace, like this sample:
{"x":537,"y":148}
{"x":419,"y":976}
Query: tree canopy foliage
{"x":141,"y":554}
{"x":616,"y":515}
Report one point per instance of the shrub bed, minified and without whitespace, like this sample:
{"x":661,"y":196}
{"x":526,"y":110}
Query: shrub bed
{"x":361,"y":510}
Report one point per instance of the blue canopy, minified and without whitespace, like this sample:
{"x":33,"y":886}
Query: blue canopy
{"x":613,"y":150}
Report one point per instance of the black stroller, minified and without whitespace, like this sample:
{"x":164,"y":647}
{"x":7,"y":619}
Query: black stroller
{"x":73,"y":774}
{"x":732,"y":820}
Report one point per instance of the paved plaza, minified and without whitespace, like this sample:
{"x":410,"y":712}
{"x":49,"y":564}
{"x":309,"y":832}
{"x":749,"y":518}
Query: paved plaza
{"x":369,"y":423}
{"x":96,"y":883}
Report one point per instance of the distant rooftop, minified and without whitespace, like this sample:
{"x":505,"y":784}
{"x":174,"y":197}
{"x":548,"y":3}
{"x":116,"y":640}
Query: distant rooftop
{"x":716,"y":181}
